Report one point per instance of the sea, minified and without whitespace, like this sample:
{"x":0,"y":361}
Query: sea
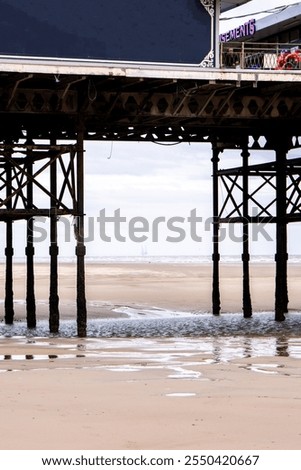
{"x":172,"y":259}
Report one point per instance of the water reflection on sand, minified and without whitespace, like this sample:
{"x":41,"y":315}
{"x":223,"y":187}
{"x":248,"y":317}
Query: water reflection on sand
{"x":179,"y":358}
{"x":181,"y":345}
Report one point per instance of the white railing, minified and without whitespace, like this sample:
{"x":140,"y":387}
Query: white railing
{"x":262,"y":56}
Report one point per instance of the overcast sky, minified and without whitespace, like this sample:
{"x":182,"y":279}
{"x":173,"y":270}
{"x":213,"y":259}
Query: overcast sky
{"x":150,"y":181}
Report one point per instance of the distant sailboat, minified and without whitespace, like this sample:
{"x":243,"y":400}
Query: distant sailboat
{"x":143,"y":250}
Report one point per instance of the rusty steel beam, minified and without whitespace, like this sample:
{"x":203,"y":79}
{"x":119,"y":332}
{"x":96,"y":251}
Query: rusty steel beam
{"x":281,"y":257}
{"x":80,"y":244}
{"x":29,"y":252}
{"x":15,"y":87}
{"x":216,"y":301}
{"x":54,"y":314}
{"x":247,"y":304}
{"x":9,"y":253}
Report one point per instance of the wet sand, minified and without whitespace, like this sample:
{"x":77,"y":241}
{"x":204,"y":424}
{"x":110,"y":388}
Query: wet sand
{"x":127,"y":394}
{"x":154,"y":393}
{"x":184,"y":287}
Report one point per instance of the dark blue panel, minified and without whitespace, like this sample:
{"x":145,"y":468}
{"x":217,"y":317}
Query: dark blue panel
{"x":177,"y":31}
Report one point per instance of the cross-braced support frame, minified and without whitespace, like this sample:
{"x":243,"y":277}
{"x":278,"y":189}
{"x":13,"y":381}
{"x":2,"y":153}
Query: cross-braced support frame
{"x":282,"y":177}
{"x":23,"y":168}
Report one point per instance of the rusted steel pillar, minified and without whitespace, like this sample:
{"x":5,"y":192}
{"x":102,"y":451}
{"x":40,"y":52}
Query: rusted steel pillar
{"x":80,"y":245}
{"x":281,"y":293}
{"x":216,"y":303}
{"x":54,"y":315}
{"x":9,"y":293}
{"x":247,"y":305}
{"x":9,"y":252}
{"x":29,"y":251}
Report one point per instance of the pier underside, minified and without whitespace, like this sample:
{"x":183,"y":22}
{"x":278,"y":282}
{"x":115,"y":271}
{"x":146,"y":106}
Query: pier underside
{"x":46,"y":117}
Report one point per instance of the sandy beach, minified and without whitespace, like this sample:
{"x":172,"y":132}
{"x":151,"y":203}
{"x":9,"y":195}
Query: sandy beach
{"x":184,"y":287}
{"x":151,"y":393}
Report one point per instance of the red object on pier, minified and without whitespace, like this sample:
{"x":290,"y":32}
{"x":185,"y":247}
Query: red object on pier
{"x":289,"y":60}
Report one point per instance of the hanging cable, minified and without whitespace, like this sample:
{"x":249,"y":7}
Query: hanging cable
{"x":168,"y":144}
{"x":111,"y":151}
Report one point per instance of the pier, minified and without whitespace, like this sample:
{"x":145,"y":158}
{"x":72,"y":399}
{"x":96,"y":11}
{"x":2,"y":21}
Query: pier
{"x":47,"y":103}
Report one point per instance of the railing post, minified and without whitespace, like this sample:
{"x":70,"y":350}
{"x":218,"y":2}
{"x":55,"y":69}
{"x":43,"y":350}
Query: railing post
{"x":221,"y":51}
{"x":242,"y":56}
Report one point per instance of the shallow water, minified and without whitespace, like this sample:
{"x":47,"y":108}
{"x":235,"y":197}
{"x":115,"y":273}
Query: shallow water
{"x":159,"y":323}
{"x":178,"y":358}
{"x":220,"y":339}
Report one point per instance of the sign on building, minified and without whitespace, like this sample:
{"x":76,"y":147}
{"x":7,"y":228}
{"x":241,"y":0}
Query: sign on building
{"x":243,"y":31}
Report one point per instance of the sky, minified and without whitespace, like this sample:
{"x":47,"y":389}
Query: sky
{"x":150,"y":181}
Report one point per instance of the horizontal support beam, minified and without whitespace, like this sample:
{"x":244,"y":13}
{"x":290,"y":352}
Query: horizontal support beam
{"x":43,"y":147}
{"x":258,"y":220}
{"x":40,"y":101}
{"x":18,"y":214}
{"x":293,"y":166}
{"x":93,"y":68}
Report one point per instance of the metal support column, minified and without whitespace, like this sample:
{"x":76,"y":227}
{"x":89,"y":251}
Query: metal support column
{"x":80,"y":246}
{"x":9,"y":252}
{"x":281,"y":295}
{"x":247,"y":306}
{"x":54,"y":315}
{"x":29,"y":251}
{"x":216,"y":303}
